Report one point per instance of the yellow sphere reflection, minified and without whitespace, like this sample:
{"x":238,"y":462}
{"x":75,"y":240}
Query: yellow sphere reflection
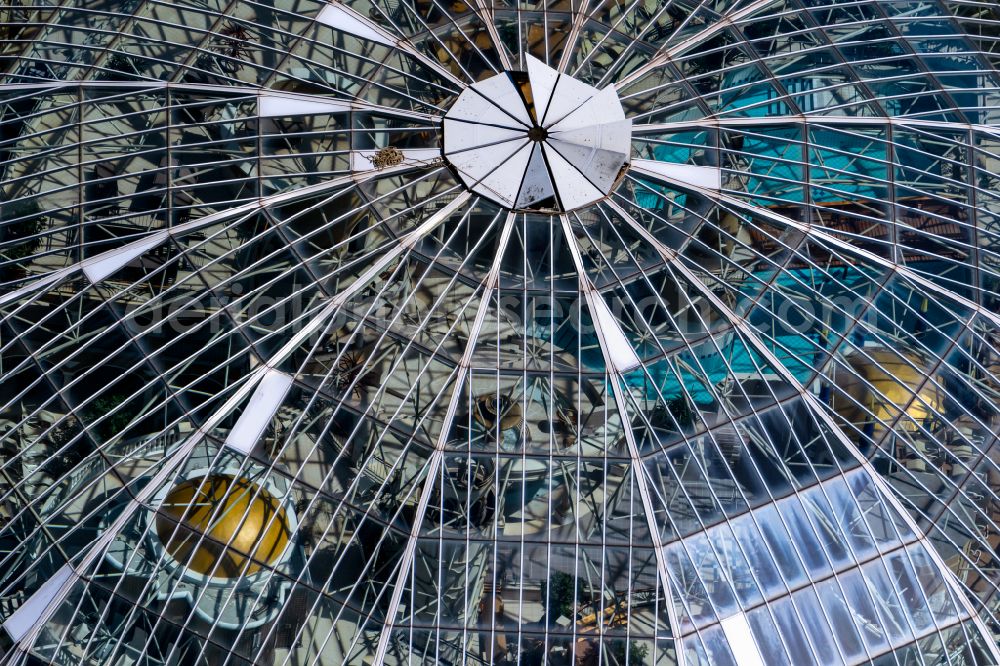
{"x":897,"y":384}
{"x":222,"y":526}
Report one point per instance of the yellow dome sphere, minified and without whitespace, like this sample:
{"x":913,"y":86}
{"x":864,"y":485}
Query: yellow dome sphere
{"x":222,"y":526}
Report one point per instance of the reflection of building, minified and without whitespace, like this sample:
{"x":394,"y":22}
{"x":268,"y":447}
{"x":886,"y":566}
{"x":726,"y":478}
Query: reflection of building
{"x":293,"y":371}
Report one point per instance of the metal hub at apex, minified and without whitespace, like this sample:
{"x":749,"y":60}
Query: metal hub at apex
{"x":538,"y":140}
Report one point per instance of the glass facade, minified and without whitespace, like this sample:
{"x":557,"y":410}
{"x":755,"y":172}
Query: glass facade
{"x":584,"y":333}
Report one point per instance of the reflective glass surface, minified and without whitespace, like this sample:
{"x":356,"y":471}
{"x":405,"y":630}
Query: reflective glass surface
{"x":578,"y":332}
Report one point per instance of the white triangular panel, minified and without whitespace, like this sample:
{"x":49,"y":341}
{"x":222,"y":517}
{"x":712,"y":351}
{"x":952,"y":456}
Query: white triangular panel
{"x":263,"y":405}
{"x":599,"y":166}
{"x":543,"y":81}
{"x":474,"y":165}
{"x":345,"y":19}
{"x":689,"y":174}
{"x":507,"y":177}
{"x":275,"y":104}
{"x":537,"y":185}
{"x":569,"y":94}
{"x":476,"y":108}
{"x":616,"y":136}
{"x":572,"y":189}
{"x":604,"y":108}
{"x":501,"y":92}
{"x":112,"y":261}
{"x":31,"y":613}
{"x":616,"y":345}
{"x":460,"y":135}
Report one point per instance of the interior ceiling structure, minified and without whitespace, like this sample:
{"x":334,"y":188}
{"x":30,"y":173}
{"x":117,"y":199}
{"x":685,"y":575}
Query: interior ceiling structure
{"x":326,"y":339}
{"x":538,"y":140}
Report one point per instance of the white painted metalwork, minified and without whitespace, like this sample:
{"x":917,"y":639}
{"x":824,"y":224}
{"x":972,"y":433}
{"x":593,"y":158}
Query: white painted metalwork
{"x":537,"y":146}
{"x":638,"y":334}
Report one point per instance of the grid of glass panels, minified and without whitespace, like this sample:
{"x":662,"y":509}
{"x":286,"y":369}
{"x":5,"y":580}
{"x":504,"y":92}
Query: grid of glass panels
{"x":278,"y":386}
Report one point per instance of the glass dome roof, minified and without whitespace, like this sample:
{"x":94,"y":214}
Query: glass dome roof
{"x":583,"y":333}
